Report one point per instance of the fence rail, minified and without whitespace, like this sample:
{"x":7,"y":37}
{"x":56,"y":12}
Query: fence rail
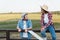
{"x":8,"y":33}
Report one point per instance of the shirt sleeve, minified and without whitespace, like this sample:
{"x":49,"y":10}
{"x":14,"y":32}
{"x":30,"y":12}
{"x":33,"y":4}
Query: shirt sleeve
{"x":18,"y":24}
{"x":30,"y":24}
{"x":41,"y":21}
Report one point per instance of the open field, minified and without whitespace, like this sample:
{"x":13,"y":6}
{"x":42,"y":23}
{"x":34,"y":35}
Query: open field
{"x":9,"y":21}
{"x":13,"y":24}
{"x":36,"y":16}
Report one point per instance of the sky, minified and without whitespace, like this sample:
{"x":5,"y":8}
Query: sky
{"x":28,"y":5}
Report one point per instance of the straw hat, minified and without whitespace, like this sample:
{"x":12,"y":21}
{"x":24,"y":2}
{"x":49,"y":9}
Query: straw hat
{"x":23,"y":14}
{"x":45,"y":7}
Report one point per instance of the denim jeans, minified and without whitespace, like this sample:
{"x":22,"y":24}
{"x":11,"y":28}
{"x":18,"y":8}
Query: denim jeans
{"x":29,"y":35}
{"x":24,"y":39}
{"x":51,"y":30}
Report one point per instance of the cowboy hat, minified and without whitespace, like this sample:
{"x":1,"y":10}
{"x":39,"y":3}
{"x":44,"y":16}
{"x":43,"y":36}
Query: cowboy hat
{"x":45,"y":7}
{"x":23,"y":15}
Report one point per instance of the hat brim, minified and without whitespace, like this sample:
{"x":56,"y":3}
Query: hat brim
{"x":44,"y":9}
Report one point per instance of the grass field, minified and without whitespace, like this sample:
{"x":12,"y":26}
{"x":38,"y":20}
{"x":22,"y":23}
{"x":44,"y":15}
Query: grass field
{"x":9,"y":21}
{"x":13,"y":24}
{"x":36,"y":16}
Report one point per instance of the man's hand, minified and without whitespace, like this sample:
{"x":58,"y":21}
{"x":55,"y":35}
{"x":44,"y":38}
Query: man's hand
{"x":26,"y":30}
{"x":19,"y":30}
{"x":43,"y":28}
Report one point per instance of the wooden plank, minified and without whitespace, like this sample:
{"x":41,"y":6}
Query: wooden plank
{"x":11,"y":30}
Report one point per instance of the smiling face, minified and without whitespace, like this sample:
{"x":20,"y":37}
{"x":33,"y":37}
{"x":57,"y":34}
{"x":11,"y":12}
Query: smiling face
{"x":42,"y":11}
{"x":26,"y":17}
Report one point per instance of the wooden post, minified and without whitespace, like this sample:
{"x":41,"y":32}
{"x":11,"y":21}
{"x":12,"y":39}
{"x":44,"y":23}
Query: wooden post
{"x":7,"y":35}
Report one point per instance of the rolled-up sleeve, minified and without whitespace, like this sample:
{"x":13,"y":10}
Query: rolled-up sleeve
{"x":30,"y":24}
{"x":18,"y":25}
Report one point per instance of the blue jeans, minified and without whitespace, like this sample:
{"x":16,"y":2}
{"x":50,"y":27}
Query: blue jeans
{"x":29,"y":35}
{"x":51,"y":30}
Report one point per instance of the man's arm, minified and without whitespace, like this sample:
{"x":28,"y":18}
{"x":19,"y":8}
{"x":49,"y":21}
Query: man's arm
{"x":30,"y":25}
{"x":18,"y":28}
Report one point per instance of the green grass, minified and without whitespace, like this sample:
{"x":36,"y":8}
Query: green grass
{"x":13,"y":24}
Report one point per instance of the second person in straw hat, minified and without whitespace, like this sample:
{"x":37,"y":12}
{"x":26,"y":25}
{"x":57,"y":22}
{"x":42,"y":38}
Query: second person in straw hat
{"x":46,"y":23}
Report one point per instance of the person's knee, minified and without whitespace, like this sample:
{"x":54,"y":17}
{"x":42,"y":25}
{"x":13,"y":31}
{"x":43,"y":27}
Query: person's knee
{"x":43,"y":34}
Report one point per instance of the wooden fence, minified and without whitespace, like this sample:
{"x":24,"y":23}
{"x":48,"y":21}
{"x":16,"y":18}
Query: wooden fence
{"x":8,"y":33}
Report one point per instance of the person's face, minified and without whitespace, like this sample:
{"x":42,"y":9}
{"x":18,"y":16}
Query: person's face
{"x":42,"y":11}
{"x":26,"y":16}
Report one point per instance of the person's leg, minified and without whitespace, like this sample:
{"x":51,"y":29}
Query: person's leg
{"x":29,"y":35}
{"x":43,"y":34}
{"x":24,"y":38}
{"x":21,"y":35}
{"x":52,"y":31}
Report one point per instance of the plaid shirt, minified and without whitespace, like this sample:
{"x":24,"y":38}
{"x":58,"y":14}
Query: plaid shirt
{"x":50,"y":20}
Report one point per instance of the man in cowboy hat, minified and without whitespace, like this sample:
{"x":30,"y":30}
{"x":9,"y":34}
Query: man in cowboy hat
{"x":46,"y":23}
{"x":24,"y":24}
